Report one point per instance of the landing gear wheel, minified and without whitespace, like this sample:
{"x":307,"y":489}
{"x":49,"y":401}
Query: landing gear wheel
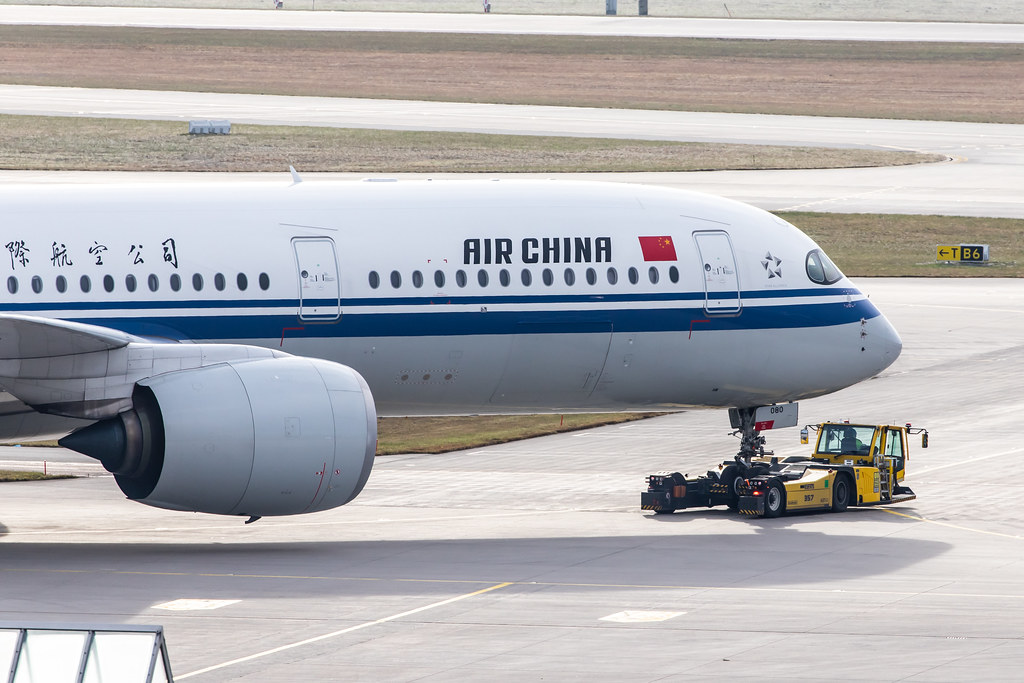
{"x":729,"y":478}
{"x":841,"y":493}
{"x":775,"y":499}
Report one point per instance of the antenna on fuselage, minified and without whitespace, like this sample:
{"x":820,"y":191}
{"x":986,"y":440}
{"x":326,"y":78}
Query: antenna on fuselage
{"x":296,"y":178}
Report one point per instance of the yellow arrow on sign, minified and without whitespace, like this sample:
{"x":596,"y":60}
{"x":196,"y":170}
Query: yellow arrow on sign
{"x":947,"y":253}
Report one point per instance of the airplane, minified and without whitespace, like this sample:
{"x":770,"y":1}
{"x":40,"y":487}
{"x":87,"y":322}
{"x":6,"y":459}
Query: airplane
{"x":227,"y":347}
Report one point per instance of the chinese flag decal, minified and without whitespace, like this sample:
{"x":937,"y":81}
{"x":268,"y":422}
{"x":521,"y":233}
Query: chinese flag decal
{"x":658,"y":248}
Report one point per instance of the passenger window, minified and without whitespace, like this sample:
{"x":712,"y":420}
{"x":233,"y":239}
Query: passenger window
{"x":505,"y":278}
{"x":591,"y":276}
{"x":417,"y":279}
{"x":653,"y":274}
{"x":673,"y":274}
{"x":613,"y":276}
{"x":37,"y":284}
{"x":197,"y":282}
{"x":108,"y":283}
{"x":570,"y":276}
{"x":12,"y":285}
{"x":438,"y":279}
{"x":62,"y":284}
{"x":175,"y":282}
{"x":374,"y":279}
{"x":396,"y":279}
{"x":84,"y":283}
{"x":129,"y":283}
{"x":219,"y":282}
{"x":548,"y":277}
{"x":634,"y":276}
{"x":527,"y":277}
{"x":482,"y":277}
{"x":154,"y":282}
{"x":264,"y":281}
{"x":242,"y":281}
{"x":460,"y":278}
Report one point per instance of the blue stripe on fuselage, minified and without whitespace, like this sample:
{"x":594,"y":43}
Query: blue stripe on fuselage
{"x":640,"y":297}
{"x":405,"y":324}
{"x":196,"y":319}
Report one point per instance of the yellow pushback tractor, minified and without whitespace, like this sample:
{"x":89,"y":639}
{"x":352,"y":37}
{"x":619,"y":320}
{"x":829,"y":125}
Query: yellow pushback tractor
{"x":852,"y":465}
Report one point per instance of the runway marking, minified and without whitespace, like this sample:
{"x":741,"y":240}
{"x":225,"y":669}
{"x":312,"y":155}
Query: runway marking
{"x":952,"y":526}
{"x":350,"y":629}
{"x":960,"y":463}
{"x":192,"y":604}
{"x":633,"y":616}
{"x":830,"y":200}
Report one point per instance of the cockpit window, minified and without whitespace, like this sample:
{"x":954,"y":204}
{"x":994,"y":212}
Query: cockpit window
{"x":821,"y":270}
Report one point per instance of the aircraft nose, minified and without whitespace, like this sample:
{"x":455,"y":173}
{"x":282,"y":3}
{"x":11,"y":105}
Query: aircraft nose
{"x":881,"y":342}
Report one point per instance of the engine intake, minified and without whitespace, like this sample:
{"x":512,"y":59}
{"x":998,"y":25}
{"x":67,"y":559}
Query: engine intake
{"x":276,"y":436}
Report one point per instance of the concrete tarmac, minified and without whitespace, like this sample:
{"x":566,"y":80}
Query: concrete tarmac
{"x":664,"y":27}
{"x":531,"y":560}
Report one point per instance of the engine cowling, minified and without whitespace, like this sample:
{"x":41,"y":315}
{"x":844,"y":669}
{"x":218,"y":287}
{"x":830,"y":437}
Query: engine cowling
{"x":276,"y":436}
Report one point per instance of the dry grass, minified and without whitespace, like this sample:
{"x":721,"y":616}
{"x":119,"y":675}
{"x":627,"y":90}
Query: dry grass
{"x":62,"y":144}
{"x":883,"y":245}
{"x":17,"y":475}
{"x":443,"y":434}
{"x":965,"y":82}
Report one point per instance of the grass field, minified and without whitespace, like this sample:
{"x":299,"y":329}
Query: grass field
{"x":890,"y":245}
{"x":18,"y":475}
{"x":442,"y":434}
{"x":964,"y":82}
{"x":65,"y":144}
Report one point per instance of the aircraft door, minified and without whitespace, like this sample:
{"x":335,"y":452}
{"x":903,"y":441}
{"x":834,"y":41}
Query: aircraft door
{"x":721,"y":281}
{"x":319,"y":285}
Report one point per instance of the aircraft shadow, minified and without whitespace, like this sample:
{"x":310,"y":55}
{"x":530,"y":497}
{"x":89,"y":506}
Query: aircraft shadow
{"x":779,"y":553}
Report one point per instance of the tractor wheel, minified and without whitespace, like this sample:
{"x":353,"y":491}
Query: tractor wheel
{"x":729,"y":477}
{"x":775,"y":499}
{"x":841,"y":493}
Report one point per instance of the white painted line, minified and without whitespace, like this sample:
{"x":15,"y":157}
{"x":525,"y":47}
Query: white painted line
{"x":634,"y":616}
{"x":193,"y":604}
{"x":343,"y":631}
{"x":960,"y":463}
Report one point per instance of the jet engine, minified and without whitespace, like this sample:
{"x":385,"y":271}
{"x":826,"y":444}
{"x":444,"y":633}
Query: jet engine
{"x":274,"y":436}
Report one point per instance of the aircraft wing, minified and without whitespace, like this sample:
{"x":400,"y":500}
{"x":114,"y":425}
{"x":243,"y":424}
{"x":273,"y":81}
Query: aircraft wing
{"x":24,"y":337}
{"x":43,"y":350}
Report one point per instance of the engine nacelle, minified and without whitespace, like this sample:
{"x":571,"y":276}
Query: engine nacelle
{"x":276,"y":436}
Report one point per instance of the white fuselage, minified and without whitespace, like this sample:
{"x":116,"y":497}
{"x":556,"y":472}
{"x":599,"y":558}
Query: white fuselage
{"x":458,"y":297}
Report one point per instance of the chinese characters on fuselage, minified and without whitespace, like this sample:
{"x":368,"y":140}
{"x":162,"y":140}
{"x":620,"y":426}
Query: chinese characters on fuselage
{"x":63,"y":257}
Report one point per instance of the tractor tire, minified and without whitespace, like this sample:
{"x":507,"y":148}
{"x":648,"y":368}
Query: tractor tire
{"x":841,"y":492}
{"x":775,"y":499}
{"x":729,"y":477}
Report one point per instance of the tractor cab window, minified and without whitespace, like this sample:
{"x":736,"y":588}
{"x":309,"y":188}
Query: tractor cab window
{"x":894,"y":449}
{"x":846,"y":440}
